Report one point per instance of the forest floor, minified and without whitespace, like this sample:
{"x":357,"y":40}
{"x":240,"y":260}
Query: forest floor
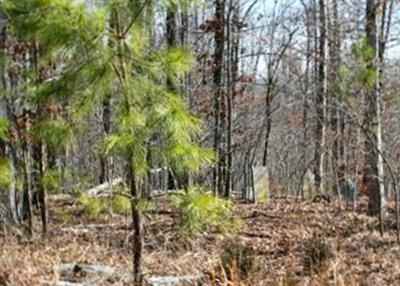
{"x":283,"y":242}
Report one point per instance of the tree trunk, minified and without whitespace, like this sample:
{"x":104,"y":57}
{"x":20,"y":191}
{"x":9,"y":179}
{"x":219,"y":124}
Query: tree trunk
{"x":268,"y":119}
{"x":131,"y":180}
{"x":37,"y":150}
{"x":373,"y":165}
{"x":233,"y":65}
{"x":219,"y":38}
{"x":181,"y":179}
{"x":106,"y":120}
{"x":28,"y":189}
{"x":137,"y":243}
{"x":12,"y":195}
{"x":37,"y":156}
{"x":306,"y":92}
{"x":6,"y":113}
{"x":106,"y":111}
{"x":320,"y":102}
{"x":270,"y":87}
{"x":334,"y":81}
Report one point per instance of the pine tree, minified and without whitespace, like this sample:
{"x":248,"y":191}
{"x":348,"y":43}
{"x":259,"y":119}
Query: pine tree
{"x":91,"y":61}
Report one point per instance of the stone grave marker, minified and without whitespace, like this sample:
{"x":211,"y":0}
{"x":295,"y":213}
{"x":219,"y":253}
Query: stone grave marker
{"x":261,"y":184}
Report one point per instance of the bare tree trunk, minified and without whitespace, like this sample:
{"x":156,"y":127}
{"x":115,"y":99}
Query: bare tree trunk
{"x":171,"y":41}
{"x":268,"y":119}
{"x":37,"y":156}
{"x":219,"y":38}
{"x":233,"y":36}
{"x":386,"y":21}
{"x":334,"y":80}
{"x":106,"y":120}
{"x":37,"y":153}
{"x":13,"y":183}
{"x":320,"y":102}
{"x":106,"y":111}
{"x":270,"y":87}
{"x":373,"y":165}
{"x":181,"y":179}
{"x":306,"y":92}
{"x":137,"y":243}
{"x":28,"y":189}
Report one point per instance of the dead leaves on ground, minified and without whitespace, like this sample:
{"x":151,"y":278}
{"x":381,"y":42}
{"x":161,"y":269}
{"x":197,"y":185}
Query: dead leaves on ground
{"x":277,"y":237}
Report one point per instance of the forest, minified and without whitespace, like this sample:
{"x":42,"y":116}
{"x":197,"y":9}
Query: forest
{"x":199,"y":142}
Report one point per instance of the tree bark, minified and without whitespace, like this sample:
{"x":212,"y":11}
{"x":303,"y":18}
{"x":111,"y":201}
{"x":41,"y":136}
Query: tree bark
{"x":233,"y":65}
{"x":373,"y":165}
{"x":106,"y":111}
{"x":6,"y":113}
{"x":334,"y":81}
{"x":106,"y":120}
{"x":131,"y":179}
{"x":37,"y":156}
{"x":137,"y":243}
{"x":320,"y":102}
{"x":219,"y":38}
{"x":28,"y":189}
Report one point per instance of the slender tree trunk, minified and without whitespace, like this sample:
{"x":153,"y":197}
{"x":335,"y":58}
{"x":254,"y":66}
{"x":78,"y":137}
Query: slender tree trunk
{"x":181,"y":179}
{"x":37,"y":157}
{"x":37,"y":152}
{"x":340,"y":114}
{"x":334,"y":49}
{"x":106,"y":110}
{"x":270,"y":88}
{"x":13,"y":183}
{"x":305,"y":97}
{"x":268,"y":118}
{"x":171,"y":29}
{"x":233,"y":64}
{"x":137,"y":243}
{"x":106,"y":120}
{"x":219,"y":38}
{"x":320,"y":102}
{"x":28,"y":189}
{"x":235,"y":75}
{"x":131,"y":178}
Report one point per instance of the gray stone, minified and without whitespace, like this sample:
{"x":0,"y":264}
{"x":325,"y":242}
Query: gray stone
{"x":261,"y":184}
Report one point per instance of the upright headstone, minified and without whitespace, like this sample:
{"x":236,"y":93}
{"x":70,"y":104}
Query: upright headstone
{"x":261,"y":184}
{"x":308,"y":184}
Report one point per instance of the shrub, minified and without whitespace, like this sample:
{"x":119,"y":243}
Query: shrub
{"x":64,"y":215}
{"x":91,"y":206}
{"x":201,"y":211}
{"x":51,"y":181}
{"x":121,"y":205}
{"x":317,"y":254}
{"x":5,"y":172}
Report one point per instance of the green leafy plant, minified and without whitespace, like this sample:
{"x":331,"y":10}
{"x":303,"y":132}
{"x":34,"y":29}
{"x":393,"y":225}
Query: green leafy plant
{"x":121,"y":205}
{"x":4,"y":172}
{"x":4,"y":129}
{"x":91,"y":206}
{"x":201,"y":211}
{"x":51,"y":180}
{"x":64,"y":215}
